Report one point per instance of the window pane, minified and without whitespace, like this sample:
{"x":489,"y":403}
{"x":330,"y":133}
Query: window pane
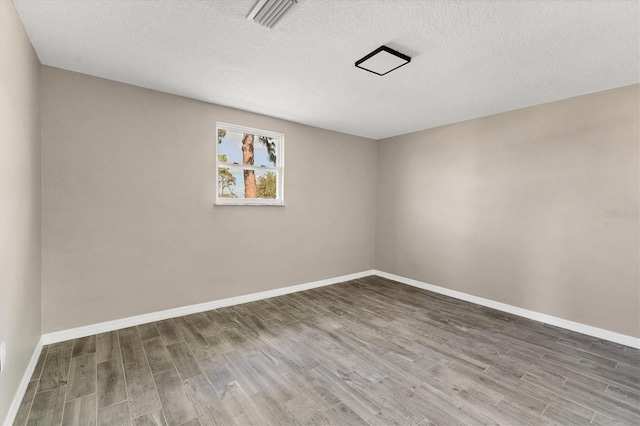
{"x":229,"y":146}
{"x":247,"y":184}
{"x":230,"y":184}
{"x":267,"y":184}
{"x":265,"y":150}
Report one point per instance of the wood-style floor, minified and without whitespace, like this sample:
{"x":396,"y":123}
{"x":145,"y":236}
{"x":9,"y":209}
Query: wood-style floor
{"x":367,"y":351}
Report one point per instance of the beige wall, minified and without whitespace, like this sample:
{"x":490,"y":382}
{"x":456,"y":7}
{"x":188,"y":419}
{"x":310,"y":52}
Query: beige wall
{"x":513,"y":207}
{"x":19,"y":201}
{"x":129,"y":226}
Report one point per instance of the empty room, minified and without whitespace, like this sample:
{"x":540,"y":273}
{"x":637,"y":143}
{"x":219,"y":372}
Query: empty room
{"x":319,"y":212}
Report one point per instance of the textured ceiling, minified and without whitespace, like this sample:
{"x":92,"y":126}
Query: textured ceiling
{"x":469,"y":58}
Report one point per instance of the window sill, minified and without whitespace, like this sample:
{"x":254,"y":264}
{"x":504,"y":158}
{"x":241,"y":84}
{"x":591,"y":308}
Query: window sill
{"x":249,"y":204}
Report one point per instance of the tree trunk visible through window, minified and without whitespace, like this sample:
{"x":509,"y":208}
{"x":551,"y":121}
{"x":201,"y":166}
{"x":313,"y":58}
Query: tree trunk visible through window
{"x":250,"y":188}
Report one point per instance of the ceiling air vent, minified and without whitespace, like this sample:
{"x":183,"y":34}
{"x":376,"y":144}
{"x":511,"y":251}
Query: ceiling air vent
{"x":269,"y":13}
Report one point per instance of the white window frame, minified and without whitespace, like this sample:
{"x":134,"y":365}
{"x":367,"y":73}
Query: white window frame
{"x":279,"y":168}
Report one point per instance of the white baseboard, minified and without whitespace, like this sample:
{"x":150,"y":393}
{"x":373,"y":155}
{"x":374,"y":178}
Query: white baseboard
{"x":102,"y":327}
{"x":600,"y":333}
{"x":88,"y":330}
{"x":22,"y":387}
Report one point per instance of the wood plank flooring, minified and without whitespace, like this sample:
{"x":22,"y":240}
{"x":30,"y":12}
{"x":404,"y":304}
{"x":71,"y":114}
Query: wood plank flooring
{"x":368,"y":351}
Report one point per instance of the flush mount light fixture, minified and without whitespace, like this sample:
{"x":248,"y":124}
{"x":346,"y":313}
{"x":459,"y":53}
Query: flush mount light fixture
{"x":383,"y":60}
{"x":269,"y":13}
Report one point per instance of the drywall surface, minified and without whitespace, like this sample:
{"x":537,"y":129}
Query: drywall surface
{"x":536,"y":208}
{"x":19,"y":201}
{"x":129,"y":225}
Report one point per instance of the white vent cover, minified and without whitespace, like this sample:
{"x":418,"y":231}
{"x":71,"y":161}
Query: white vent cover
{"x":268,"y":13}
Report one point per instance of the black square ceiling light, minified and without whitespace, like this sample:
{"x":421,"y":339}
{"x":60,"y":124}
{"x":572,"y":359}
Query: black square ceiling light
{"x":383,"y":60}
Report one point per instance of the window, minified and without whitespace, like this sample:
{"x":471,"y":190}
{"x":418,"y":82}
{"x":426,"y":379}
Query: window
{"x":249,"y":166}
